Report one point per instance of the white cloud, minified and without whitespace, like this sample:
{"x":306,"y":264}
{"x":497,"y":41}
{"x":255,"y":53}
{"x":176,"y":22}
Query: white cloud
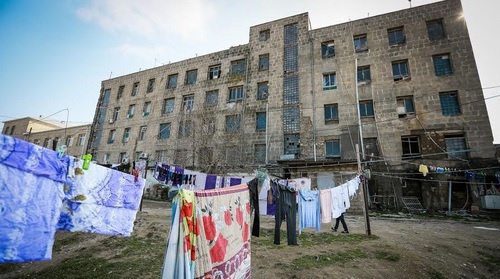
{"x":151,"y":18}
{"x":128,"y":50}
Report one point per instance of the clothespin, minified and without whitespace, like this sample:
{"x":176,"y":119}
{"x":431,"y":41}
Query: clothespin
{"x":61,"y":150}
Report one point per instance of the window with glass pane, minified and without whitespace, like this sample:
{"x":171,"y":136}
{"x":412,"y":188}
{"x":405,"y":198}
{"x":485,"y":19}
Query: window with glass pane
{"x":329,"y":81}
{"x":405,"y":106}
{"x":131,"y":111}
{"x":126,"y":135}
{"x":146,"y":109}
{"x":116,"y":113}
{"x":164,"y":132}
{"x":238,"y":67}
{"x":214,"y":72}
{"x":69,"y":141}
{"x":264,"y":35}
{"x":185,"y":128}
{"x":435,"y":29}
{"x":191,"y":77}
{"x":332,"y":148}
{"x":209,"y":126}
{"x":291,"y":121}
{"x":291,"y":89}
{"x":233,"y":123}
{"x":111,"y":137}
{"x":260,"y":121}
{"x":449,"y":103}
{"x":456,"y":147}
{"x":360,"y":43}
{"x":120,"y":91}
{"x":331,"y":112}
{"x":188,"y":103}
{"x":264,"y":62}
{"x":400,"y":70}
{"x":135,"y":89}
{"x":235,"y":94}
{"x":262,"y":90}
{"x":142,"y":132}
{"x":260,"y":154}
{"x":168,"y":105}
{"x":366,"y":109}
{"x":411,"y":146}
{"x":172,"y":81}
{"x":327,"y":49}
{"x":212,"y":98}
{"x":396,"y":36}
{"x":364,"y":74}
{"x":442,"y":64}
{"x":151,"y":85}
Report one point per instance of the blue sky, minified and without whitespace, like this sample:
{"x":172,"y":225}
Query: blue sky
{"x":54,"y":54}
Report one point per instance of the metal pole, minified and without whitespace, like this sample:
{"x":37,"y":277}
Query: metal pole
{"x":360,"y":127}
{"x":363,"y":194}
{"x":267,"y":128}
{"x":449,"y":196}
{"x":145,"y":175}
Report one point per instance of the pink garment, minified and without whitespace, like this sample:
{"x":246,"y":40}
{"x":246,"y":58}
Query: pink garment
{"x":325,"y":197}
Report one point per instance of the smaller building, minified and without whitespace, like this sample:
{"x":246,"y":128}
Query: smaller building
{"x":49,"y":134}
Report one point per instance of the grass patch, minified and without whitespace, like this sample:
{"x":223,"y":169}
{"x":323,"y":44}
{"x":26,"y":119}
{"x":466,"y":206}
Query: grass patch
{"x":321,"y":260}
{"x":388,"y":256}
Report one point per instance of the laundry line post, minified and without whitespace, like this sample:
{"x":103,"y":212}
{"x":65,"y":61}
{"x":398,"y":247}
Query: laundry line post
{"x":363,"y":194}
{"x":145,"y":175}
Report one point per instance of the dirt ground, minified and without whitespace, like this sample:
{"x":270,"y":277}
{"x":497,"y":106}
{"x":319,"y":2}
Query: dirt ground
{"x":400,"y":247}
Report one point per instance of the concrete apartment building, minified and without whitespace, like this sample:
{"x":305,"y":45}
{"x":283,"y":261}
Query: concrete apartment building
{"x":403,"y":86}
{"x":49,"y":134}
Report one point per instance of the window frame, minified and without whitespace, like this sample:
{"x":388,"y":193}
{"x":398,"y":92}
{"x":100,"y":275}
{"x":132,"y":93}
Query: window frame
{"x":360,"y":47}
{"x":400,"y":75}
{"x":172,"y":81}
{"x":188,"y":102}
{"x":111,"y":136}
{"x":433,"y":33}
{"x":335,"y":146}
{"x":463,"y":153}
{"x":151,"y":85}
{"x":328,"y":49}
{"x":365,"y":72}
{"x":191,"y":77}
{"x":445,"y":68}
{"x":235,"y":94}
{"x":210,"y":100}
{"x":410,"y":141}
{"x":131,"y":111}
{"x":405,"y":102}
{"x":262,"y":90}
{"x":365,"y":107}
{"x":264,"y":62}
{"x":327,"y":77}
{"x":214,"y":72}
{"x":238,"y":67}
{"x":135,"y":89}
{"x":121,"y":89}
{"x":164,"y":131}
{"x":258,"y":121}
{"x":142,"y":132}
{"x":331,"y":113}
{"x":236,"y":120}
{"x":264,"y":35}
{"x":146,"y":109}
{"x":393,"y":39}
{"x":126,"y":135}
{"x":165,"y":109}
{"x":450,"y":107}
{"x":185,"y":128}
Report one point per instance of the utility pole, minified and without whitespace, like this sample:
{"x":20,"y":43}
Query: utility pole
{"x":363,"y":194}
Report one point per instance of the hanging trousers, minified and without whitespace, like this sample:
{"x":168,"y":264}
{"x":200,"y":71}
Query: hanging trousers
{"x":287,"y":210}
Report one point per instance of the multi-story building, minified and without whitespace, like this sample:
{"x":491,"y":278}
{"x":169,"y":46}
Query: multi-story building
{"x":49,"y":134}
{"x":403,"y":86}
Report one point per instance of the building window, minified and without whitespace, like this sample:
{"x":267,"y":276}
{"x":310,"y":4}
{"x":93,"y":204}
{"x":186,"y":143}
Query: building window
{"x":146,"y":110}
{"x":185,"y":128}
{"x":172,"y":81}
{"x":449,"y":103}
{"x":260,"y":154}
{"x":111,"y":137}
{"x":208,"y":126}
{"x":188,"y":103}
{"x":329,"y":81}
{"x":6,"y":130}
{"x":135,"y":89}
{"x":331,"y":113}
{"x":364,"y":74}
{"x":264,"y":35}
{"x":164,"y":132}
{"x":291,"y":121}
{"x":120,"y":92}
{"x":360,"y":43}
{"x":264,"y":62}
{"x":238,"y":67}
{"x":69,"y":141}
{"x":46,"y":142}
{"x":233,"y":123}
{"x":214,"y":72}
{"x":366,"y":109}
{"x":456,"y":147}
{"x":411,"y":146}
{"x":262,"y":90}
{"x":235,"y":94}
{"x":168,"y":105}
{"x":131,"y":111}
{"x":123,"y":157}
{"x":260,"y":123}
{"x":396,"y":36}
{"x":81,"y":139}
{"x":191,"y":77}
{"x":212,"y":98}
{"x":126,"y":135}
{"x":12,"y":129}
{"x":116,"y":114}
{"x":400,"y":70}
{"x":142,"y":132}
{"x":435,"y":29}
{"x":151,"y":85}
{"x":161,"y":155}
{"x":105,"y":158}
{"x":332,"y":148}
{"x":405,"y":106}
{"x":327,"y":49}
{"x":442,"y":64}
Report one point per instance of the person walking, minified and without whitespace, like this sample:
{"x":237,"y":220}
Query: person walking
{"x":344,"y":225}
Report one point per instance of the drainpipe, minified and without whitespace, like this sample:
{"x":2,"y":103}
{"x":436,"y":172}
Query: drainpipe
{"x":311,"y":44}
{"x":360,"y":127}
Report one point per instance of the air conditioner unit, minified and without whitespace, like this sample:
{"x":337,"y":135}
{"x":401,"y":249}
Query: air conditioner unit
{"x":401,"y":110}
{"x":111,"y":121}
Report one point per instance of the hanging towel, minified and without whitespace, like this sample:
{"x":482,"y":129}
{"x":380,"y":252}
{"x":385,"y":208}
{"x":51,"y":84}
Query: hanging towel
{"x":423,"y":169}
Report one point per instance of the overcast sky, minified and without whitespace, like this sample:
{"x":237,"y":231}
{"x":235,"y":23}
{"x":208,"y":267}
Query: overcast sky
{"x":54,"y":54}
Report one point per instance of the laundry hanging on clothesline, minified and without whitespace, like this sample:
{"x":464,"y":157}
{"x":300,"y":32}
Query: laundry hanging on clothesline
{"x":38,"y":184}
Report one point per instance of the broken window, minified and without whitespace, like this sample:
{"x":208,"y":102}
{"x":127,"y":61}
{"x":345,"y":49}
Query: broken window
{"x":327,"y":49}
{"x":214,"y":72}
{"x":264,"y":35}
{"x":151,"y":85}
{"x":262,"y":90}
{"x":135,"y":89}
{"x":435,"y":29}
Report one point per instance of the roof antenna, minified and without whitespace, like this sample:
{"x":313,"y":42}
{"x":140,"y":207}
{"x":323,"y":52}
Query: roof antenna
{"x":410,"y":2}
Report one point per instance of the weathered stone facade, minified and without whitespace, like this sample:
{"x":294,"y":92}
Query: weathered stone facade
{"x":419,"y":98}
